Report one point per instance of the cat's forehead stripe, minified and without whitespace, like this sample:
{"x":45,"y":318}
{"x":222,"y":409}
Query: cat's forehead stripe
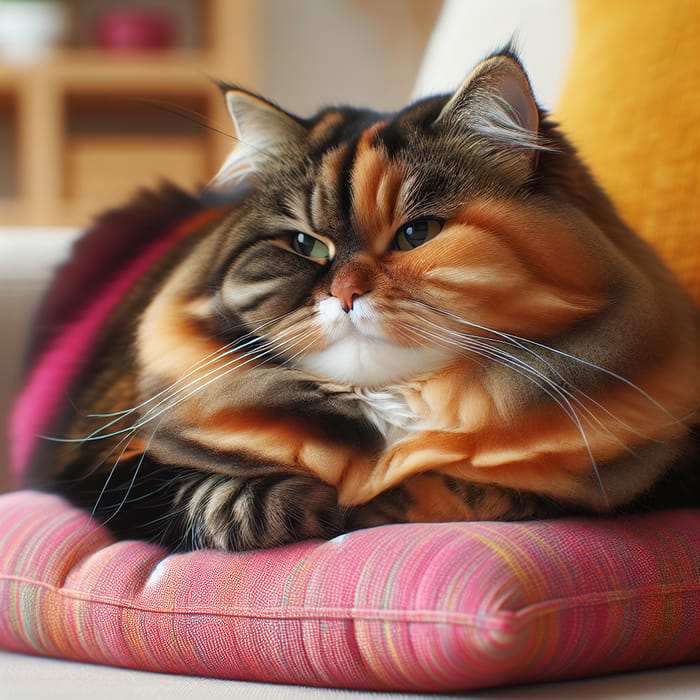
{"x":376,"y":184}
{"x":331,"y":184}
{"x":324,"y":130}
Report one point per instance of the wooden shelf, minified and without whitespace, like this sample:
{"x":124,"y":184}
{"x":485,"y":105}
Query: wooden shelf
{"x":92,"y":69}
{"x":64,"y":172}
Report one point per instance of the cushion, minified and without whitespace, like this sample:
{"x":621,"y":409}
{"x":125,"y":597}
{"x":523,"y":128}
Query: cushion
{"x":631,"y":104}
{"x":412,"y":607}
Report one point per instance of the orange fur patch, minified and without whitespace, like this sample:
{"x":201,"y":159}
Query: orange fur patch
{"x":135,"y":448}
{"x":282,"y":439}
{"x":376,"y":187}
{"x":433,"y":502}
{"x":510,"y":267}
{"x":540,"y":449}
{"x":323,"y":128}
{"x":171,"y":345}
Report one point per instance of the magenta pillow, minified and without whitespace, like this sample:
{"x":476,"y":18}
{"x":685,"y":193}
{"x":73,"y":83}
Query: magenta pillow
{"x":417,"y":607}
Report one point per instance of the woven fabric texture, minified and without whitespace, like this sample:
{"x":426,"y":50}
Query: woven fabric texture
{"x":403,"y":607}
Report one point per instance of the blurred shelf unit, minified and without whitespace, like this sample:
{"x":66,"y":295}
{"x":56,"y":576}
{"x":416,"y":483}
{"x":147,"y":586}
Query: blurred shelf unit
{"x":87,"y":127}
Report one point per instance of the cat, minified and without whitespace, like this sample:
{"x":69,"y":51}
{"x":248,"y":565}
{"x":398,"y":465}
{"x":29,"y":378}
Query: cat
{"x":365,"y":318}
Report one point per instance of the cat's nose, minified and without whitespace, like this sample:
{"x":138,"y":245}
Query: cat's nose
{"x":349,"y":287}
{"x":347,"y":295}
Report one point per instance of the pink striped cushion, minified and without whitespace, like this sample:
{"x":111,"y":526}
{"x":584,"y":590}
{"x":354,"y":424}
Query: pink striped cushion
{"x":406,"y":607}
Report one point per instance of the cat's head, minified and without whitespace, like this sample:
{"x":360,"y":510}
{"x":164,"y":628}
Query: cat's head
{"x":372,"y":245}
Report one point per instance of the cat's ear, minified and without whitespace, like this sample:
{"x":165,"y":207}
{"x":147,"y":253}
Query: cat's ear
{"x":496,"y":101}
{"x":263,"y":131}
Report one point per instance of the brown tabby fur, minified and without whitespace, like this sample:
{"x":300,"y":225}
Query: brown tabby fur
{"x":534,"y":358}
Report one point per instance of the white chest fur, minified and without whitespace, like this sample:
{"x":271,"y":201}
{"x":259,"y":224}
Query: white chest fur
{"x":359,"y":352}
{"x":389,"y":412}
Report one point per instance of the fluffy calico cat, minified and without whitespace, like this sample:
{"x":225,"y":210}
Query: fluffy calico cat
{"x":366,"y":318}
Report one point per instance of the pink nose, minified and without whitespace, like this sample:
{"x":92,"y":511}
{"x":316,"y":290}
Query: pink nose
{"x":346,"y":288}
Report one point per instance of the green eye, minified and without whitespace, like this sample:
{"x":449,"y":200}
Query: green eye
{"x":415,"y":233}
{"x":309,"y":246}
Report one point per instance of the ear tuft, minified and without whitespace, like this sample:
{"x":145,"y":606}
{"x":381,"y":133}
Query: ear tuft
{"x":263,"y":130}
{"x":496,"y":101}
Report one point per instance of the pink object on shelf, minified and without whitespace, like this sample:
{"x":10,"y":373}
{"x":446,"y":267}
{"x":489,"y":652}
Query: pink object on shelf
{"x":134,"y":29}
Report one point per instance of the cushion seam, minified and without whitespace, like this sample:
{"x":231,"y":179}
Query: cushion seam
{"x":489,"y":620}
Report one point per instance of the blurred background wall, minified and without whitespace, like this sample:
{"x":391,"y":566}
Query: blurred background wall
{"x":78,"y":127}
{"x":364,"y":52}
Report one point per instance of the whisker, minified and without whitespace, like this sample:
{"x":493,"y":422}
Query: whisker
{"x":474,"y":345}
{"x":570,"y":393}
{"x":98,"y":435}
{"x":232,"y":366}
{"x":522,"y":343}
{"x":231,"y":348}
{"x":209,"y":359}
{"x":112,"y":471}
{"x":559,"y":395}
{"x":574,"y":393}
{"x":136,"y":471}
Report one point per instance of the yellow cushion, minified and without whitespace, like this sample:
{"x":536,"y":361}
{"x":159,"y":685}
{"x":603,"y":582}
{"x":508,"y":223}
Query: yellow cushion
{"x":632,"y":106}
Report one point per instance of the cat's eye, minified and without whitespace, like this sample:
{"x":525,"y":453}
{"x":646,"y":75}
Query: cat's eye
{"x":415,"y":233}
{"x":309,"y":246}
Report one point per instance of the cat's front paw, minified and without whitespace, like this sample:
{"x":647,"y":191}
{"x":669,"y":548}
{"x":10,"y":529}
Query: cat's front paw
{"x":235,"y":514}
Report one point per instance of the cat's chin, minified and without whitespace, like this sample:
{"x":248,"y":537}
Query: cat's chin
{"x":368,"y":362}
